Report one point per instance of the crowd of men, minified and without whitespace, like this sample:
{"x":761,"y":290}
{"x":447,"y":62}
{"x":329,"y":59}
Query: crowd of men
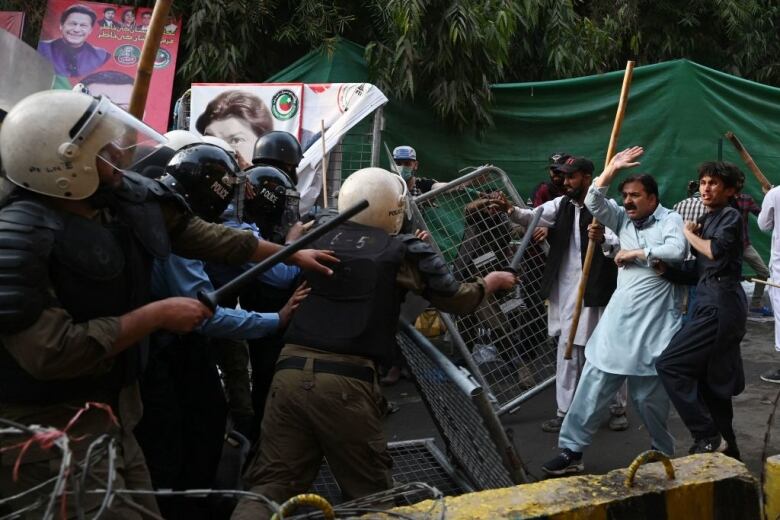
{"x":112,"y":230}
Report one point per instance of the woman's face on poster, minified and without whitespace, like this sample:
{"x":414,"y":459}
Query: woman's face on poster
{"x":237,"y":133}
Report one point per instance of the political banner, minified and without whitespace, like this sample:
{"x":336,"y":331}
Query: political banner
{"x":99,"y":45}
{"x":241,"y":113}
{"x":13,"y":22}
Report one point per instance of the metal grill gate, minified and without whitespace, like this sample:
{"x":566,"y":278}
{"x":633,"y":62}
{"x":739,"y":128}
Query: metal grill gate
{"x":505,"y":342}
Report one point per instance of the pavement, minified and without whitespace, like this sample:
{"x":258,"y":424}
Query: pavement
{"x":612,"y":450}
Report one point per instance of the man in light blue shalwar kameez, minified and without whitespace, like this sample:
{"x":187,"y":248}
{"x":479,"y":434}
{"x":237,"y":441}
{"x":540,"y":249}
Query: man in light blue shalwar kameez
{"x":639,"y":321}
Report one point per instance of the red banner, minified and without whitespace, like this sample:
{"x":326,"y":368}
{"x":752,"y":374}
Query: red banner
{"x":99,"y":45}
{"x":13,"y":22}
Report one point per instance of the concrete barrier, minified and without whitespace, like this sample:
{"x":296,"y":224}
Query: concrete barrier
{"x":704,"y":487}
{"x":772,"y":487}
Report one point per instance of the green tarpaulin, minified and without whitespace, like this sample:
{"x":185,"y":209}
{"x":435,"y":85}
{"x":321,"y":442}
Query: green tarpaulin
{"x":677,"y":110}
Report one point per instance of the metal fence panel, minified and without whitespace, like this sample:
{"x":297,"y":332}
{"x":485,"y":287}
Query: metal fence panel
{"x":417,"y":460}
{"x":448,"y":393}
{"x":505,"y":341}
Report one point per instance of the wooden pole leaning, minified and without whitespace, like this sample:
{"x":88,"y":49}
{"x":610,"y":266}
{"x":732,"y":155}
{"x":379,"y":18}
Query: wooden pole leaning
{"x":324,"y":166}
{"x":765,"y":184}
{"x":148,"y":54}
{"x":613,"y":139}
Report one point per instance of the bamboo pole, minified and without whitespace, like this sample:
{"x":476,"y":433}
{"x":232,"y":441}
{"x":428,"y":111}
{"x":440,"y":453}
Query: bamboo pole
{"x":324,"y":166}
{"x":148,"y":54}
{"x":613,"y":139}
{"x":765,"y":282}
{"x":762,"y":180}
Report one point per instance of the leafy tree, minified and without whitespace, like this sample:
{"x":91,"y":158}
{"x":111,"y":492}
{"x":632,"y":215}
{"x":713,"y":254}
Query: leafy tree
{"x":451,"y":51}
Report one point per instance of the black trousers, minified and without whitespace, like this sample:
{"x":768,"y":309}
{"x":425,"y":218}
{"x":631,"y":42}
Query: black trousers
{"x":684,"y":368}
{"x":183,"y":426}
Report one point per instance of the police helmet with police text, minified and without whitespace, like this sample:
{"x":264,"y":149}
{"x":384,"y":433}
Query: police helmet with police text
{"x":386,"y":194}
{"x":53,"y":142}
{"x":271,"y":201}
{"x":205,"y":175}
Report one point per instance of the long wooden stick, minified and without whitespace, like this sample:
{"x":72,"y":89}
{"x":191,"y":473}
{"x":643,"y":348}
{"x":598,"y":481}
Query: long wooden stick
{"x":613,"y":139}
{"x":765,"y":184}
{"x":148,"y":54}
{"x":765,"y":282}
{"x":324,"y":166}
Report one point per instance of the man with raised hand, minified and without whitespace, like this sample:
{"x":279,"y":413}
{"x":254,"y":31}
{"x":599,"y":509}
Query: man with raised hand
{"x":639,"y":320}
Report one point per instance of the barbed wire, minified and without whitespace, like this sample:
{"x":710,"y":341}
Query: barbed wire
{"x":73,"y":480}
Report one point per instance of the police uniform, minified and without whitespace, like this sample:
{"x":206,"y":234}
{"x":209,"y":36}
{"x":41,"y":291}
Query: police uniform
{"x":66,"y":280}
{"x":324,"y":398}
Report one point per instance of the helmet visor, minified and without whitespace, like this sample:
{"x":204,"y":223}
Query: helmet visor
{"x":125,"y":140}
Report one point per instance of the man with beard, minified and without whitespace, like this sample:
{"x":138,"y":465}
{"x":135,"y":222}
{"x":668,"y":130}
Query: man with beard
{"x":549,"y":190}
{"x":79,"y":236}
{"x":702,"y":366}
{"x":639,"y":320}
{"x":566,"y":224}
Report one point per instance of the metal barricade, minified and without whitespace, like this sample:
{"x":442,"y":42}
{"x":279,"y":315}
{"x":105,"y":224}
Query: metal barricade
{"x":418,"y":460}
{"x":505,"y":342}
{"x":479,"y":454}
{"x":475,"y":439}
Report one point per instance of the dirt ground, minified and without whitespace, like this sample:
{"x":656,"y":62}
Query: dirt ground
{"x":613,"y":450}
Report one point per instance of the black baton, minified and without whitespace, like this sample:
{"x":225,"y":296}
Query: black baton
{"x":212,"y":299}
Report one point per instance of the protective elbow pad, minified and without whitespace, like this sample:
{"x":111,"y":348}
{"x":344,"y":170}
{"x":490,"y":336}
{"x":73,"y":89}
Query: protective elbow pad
{"x":432,"y":267}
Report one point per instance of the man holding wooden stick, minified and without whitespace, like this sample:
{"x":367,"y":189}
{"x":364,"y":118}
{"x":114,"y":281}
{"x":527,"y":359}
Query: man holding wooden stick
{"x":566,"y":225}
{"x":638,"y":322}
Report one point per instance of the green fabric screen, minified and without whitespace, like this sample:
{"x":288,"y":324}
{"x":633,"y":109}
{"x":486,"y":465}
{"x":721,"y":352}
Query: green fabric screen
{"x":677,"y":110}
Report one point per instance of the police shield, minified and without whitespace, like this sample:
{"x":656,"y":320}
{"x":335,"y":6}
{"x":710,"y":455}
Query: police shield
{"x":25,"y":71}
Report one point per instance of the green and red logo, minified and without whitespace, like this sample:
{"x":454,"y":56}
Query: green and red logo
{"x":162,"y":60}
{"x":127,"y":55}
{"x":284,"y":105}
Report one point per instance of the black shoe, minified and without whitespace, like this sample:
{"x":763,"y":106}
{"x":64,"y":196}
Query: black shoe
{"x":771,"y":377}
{"x":565,"y":463}
{"x":708,"y":445}
{"x":733,"y":452}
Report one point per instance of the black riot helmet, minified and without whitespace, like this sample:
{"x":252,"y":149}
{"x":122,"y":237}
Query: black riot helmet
{"x":205,"y":175}
{"x":280,"y":149}
{"x":271,"y":202}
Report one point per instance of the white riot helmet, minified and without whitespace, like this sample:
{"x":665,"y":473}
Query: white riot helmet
{"x":218,"y":141}
{"x":178,"y":139}
{"x":386,"y":196}
{"x":50,"y":142}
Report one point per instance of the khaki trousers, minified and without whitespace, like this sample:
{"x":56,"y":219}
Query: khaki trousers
{"x":309,"y":416}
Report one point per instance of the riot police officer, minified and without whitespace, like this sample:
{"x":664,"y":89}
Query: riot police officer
{"x":79,"y":234}
{"x":269,"y":209}
{"x":325,"y":400}
{"x":184,"y":404}
{"x":279,"y":149}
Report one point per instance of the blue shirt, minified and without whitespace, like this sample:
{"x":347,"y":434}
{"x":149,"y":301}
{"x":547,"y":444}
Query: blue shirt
{"x":644,"y":312}
{"x":177,"y":276}
{"x":281,"y":276}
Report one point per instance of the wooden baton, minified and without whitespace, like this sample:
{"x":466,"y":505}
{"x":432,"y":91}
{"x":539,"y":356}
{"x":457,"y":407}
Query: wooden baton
{"x":765,"y":282}
{"x":613,"y":139}
{"x":148,"y":54}
{"x":765,"y":184}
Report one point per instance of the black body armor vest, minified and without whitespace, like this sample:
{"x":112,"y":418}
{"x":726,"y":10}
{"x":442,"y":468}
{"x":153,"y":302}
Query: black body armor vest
{"x":354,"y":311}
{"x":96,"y":270}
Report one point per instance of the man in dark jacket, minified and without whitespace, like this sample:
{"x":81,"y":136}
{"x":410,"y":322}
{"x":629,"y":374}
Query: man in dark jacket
{"x":701,"y":368}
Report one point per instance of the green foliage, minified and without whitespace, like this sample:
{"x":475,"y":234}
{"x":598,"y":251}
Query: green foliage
{"x":449,"y":52}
